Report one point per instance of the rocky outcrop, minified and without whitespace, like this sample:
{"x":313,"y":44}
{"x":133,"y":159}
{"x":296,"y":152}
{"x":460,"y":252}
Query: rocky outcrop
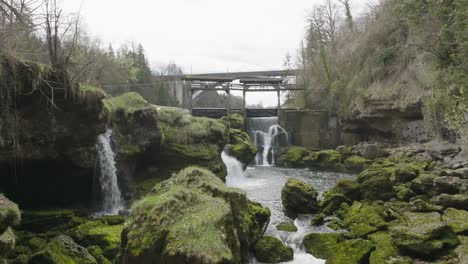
{"x":47,"y":135}
{"x":10,"y":217}
{"x":241,"y":146}
{"x":63,"y":249}
{"x":192,"y":218}
{"x":299,"y":197}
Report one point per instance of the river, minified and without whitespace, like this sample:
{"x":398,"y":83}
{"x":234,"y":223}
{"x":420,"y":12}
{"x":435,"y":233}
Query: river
{"x":263,"y":184}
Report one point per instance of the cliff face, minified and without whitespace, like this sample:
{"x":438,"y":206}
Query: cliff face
{"x":48,"y":130}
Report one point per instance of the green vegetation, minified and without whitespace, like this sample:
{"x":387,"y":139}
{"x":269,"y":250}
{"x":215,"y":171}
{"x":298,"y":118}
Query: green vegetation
{"x":63,"y":250}
{"x":294,"y":157}
{"x":242,"y":146}
{"x":10,"y":214}
{"x":127,"y":102}
{"x":271,"y":250}
{"x":287,"y":226}
{"x":321,"y":246}
{"x":298,"y":197}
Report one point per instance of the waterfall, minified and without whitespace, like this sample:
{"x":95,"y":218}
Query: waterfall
{"x":267,"y":136}
{"x":235,"y":172}
{"x":110,"y":192}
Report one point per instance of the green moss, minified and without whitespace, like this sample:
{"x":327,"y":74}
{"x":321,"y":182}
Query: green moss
{"x":321,"y":245}
{"x":325,"y":159}
{"x":242,"y":146}
{"x":236,"y":121}
{"x":365,"y":218}
{"x":56,"y":221}
{"x":7,"y":242}
{"x":272,"y":250}
{"x":127,"y":102}
{"x":356,"y":163}
{"x":351,"y":252}
{"x":299,"y":197}
{"x":317,"y":220}
{"x":294,"y":157}
{"x":378,"y":187}
{"x":423,"y":234}
{"x":424,"y":184}
{"x":62,"y":250}
{"x":98,"y":233}
{"x":37,"y":243}
{"x":406,"y":172}
{"x":195,"y":216}
{"x":286,"y":226}
{"x":10,"y":214}
{"x":384,"y":249}
{"x":456,"y":219}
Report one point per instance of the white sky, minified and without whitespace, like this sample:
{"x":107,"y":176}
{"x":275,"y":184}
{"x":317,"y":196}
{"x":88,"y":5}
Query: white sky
{"x":203,"y":35}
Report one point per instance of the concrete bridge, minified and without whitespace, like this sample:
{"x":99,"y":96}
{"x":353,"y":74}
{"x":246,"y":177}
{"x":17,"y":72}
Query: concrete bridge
{"x":257,"y":81}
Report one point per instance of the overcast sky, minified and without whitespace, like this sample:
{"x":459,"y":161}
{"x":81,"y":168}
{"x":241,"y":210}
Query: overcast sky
{"x":203,"y":35}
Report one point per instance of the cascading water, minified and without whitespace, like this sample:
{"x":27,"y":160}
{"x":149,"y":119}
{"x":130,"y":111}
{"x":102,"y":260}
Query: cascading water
{"x":110,"y":192}
{"x":267,"y":136}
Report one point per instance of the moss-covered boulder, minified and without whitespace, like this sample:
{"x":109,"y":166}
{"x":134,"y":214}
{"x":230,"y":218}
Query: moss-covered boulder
{"x":236,"y":121}
{"x":384,"y":251}
{"x":406,"y":172}
{"x":457,"y":220}
{"x":192,"y":218}
{"x":294,"y":157}
{"x":10,"y":214}
{"x":354,"y":251}
{"x":333,"y":202}
{"x":299,"y":197}
{"x":288,"y":226}
{"x":326,"y":160}
{"x":458,"y":201}
{"x":271,"y":250}
{"x":420,"y":205}
{"x":423,"y":235}
{"x":7,"y":242}
{"x":345,"y":191}
{"x":99,"y":233}
{"x":376,"y":188}
{"x":356,"y":163}
{"x":372,"y":151}
{"x":189,"y":140}
{"x":321,"y":245}
{"x":39,"y":221}
{"x":403,"y":192}
{"x":318,"y":219}
{"x":365,"y":218}
{"x":241,"y":146}
{"x":462,"y":249}
{"x":63,"y":249}
{"x":424,"y":184}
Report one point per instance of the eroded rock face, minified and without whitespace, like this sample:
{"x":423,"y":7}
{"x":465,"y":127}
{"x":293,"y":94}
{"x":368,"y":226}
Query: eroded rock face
{"x":299,"y":197}
{"x":192,"y":218}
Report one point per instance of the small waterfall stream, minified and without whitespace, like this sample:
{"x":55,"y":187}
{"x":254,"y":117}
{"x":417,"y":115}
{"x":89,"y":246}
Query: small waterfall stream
{"x":111,"y":197}
{"x":267,"y":135}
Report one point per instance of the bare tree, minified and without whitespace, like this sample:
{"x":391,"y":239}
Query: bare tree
{"x":349,"y":17}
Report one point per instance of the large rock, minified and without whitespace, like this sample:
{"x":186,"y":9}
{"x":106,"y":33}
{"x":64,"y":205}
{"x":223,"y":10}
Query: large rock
{"x":272,"y":250}
{"x":423,"y":234}
{"x":456,"y":219}
{"x":192,"y":218}
{"x":299,"y":197}
{"x":326,"y":160}
{"x":405,"y":172}
{"x":384,"y":249}
{"x":378,"y":187}
{"x":356,"y":163}
{"x":321,"y":245}
{"x":294,"y":157}
{"x":450,"y":185}
{"x":365,"y":218}
{"x":439,"y":150}
{"x":424,"y":184}
{"x":372,"y":151}
{"x":7,"y":242}
{"x":345,"y":191}
{"x":241,"y":146}
{"x":354,"y":251}
{"x":459,"y":201}
{"x":63,"y":249}
{"x":10,"y":214}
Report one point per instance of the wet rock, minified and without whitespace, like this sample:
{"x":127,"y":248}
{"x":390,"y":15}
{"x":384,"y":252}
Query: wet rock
{"x":241,"y":146}
{"x":351,"y":252}
{"x":458,"y":201}
{"x":365,"y":218}
{"x":406,"y":172}
{"x":378,"y":187}
{"x":333,"y":202}
{"x":286,"y":226}
{"x":356,"y":163}
{"x":272,"y":250}
{"x":423,"y":235}
{"x":326,"y":160}
{"x":317,"y":220}
{"x":424,"y":184}
{"x":403,"y":192}
{"x":39,"y":221}
{"x":345,"y":191}
{"x":372,"y":151}
{"x":294,"y":157}
{"x":456,"y":219}
{"x":384,"y":249}
{"x":321,"y":245}
{"x":439,"y":150}
{"x":450,"y":185}
{"x":63,"y":249}
{"x":299,"y":197}
{"x":419,"y":205}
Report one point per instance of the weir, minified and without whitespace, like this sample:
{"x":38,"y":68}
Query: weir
{"x":111,"y":197}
